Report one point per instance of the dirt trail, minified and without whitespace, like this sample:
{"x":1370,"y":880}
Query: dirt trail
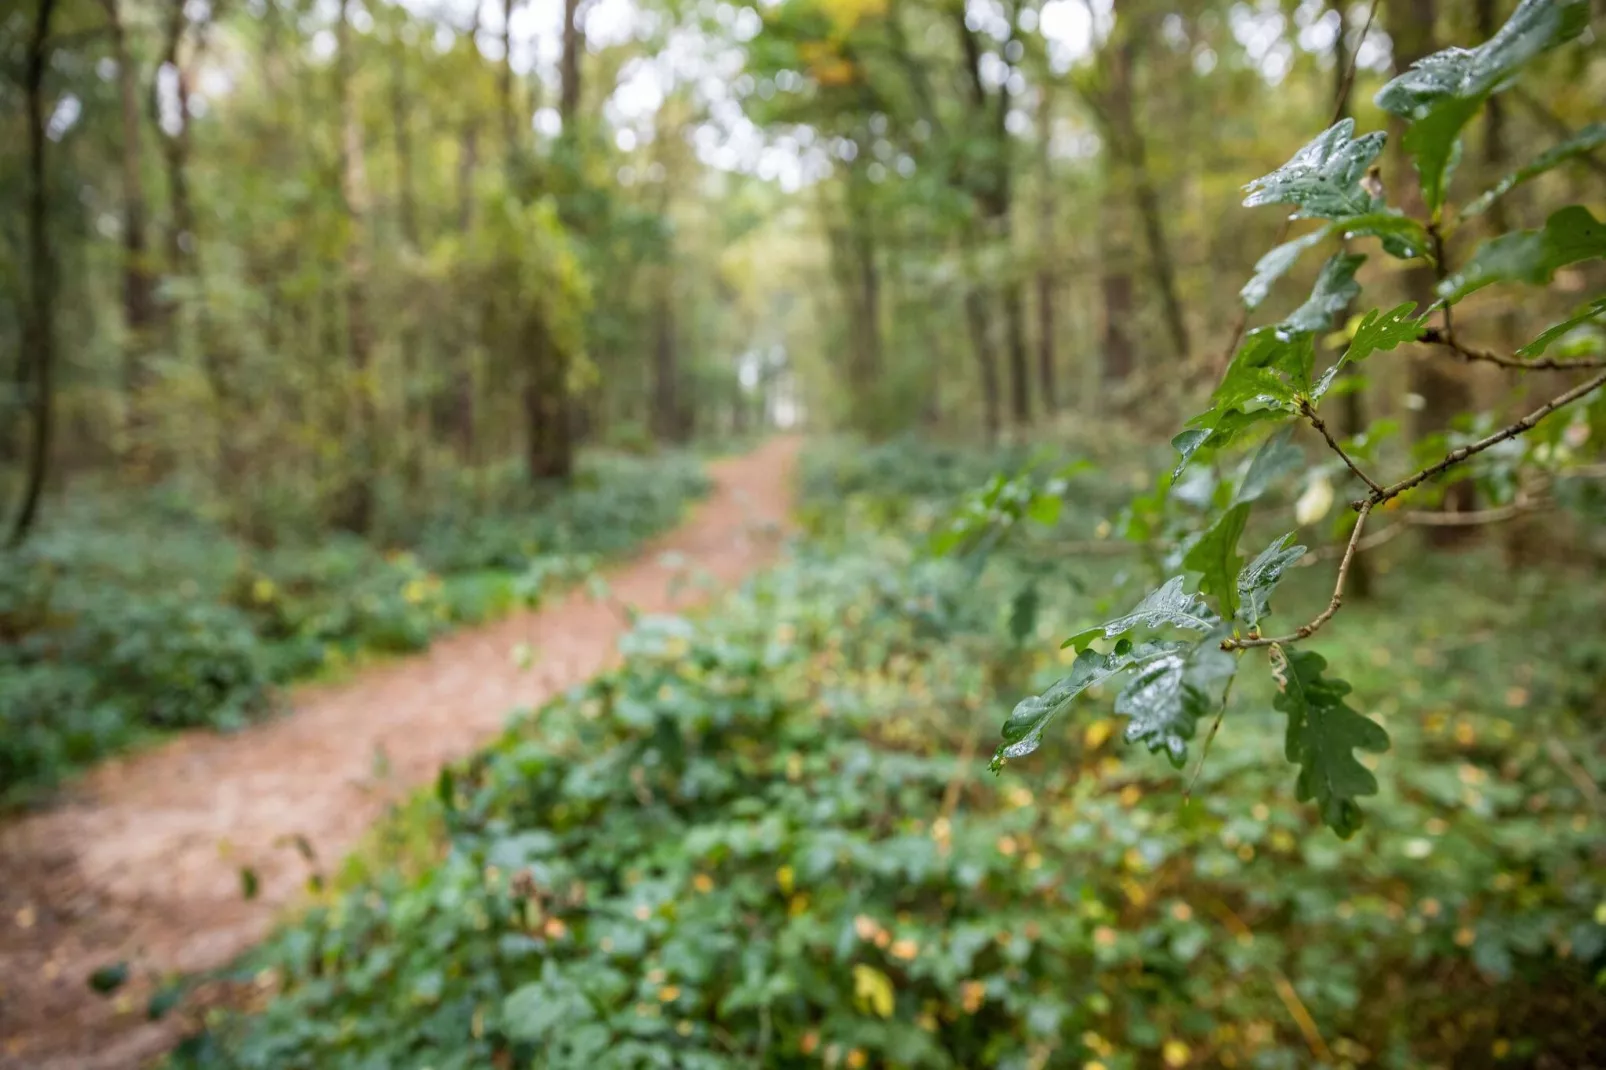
{"x":142,"y":861}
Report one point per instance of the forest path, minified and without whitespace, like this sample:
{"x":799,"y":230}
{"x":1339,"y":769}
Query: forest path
{"x":141,"y":862}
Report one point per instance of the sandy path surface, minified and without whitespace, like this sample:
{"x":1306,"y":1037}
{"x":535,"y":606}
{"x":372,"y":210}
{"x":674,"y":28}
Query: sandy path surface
{"x":141,"y":861}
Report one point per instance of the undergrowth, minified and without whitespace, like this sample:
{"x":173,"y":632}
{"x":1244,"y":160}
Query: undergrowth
{"x":769,"y":839}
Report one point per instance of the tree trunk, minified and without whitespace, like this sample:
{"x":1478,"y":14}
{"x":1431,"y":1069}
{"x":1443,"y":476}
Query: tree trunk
{"x":415,"y":421}
{"x":1046,"y":385}
{"x":354,"y":509}
{"x":569,"y":67}
{"x":1116,"y":286}
{"x":138,"y":280}
{"x":38,"y":365}
{"x":1128,"y":144}
{"x":987,"y":362}
{"x":1020,"y":374}
{"x":666,"y":417}
{"x":509,"y":126}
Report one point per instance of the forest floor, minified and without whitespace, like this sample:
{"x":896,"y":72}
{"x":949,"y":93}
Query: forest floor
{"x":141,"y":861}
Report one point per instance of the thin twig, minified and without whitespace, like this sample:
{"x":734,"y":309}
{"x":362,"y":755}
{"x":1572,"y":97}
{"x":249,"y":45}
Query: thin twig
{"x":1305,"y":631}
{"x":1215,"y":726}
{"x":1316,"y":422}
{"x":1447,"y":339}
{"x":1461,"y":453}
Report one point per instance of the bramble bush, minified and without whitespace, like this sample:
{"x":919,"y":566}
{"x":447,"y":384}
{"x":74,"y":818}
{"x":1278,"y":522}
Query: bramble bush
{"x":128,"y":616}
{"x":767,"y":840}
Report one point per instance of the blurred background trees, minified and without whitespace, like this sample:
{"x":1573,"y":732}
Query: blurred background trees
{"x":305,"y":258}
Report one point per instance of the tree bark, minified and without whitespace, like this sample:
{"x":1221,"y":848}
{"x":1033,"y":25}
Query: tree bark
{"x":38,"y":367}
{"x":138,"y":279}
{"x":1046,"y":385}
{"x":569,"y":66}
{"x":986,"y":361}
{"x":354,"y":508}
{"x":509,"y":127}
{"x":666,"y":417}
{"x":1128,"y":143}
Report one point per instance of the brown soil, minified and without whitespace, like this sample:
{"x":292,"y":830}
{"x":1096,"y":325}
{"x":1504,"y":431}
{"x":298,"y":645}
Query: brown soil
{"x":141,"y":861}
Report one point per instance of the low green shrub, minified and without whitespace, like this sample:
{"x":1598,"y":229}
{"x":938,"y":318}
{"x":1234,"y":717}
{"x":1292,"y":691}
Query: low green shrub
{"x":768,"y":840}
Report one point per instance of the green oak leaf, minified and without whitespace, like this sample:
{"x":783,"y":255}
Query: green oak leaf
{"x":1215,"y":555}
{"x":1261,"y":576}
{"x":1168,"y":604}
{"x":1276,"y":457}
{"x":1023,"y":730}
{"x":1217,"y":428}
{"x":1164,"y":699}
{"x":1323,"y":732}
{"x":1570,"y":235}
{"x":1378,"y":330}
{"x":1537,"y":347}
{"x":1335,"y":288}
{"x":1274,"y":265}
{"x":1587,"y":139}
{"x":1401,"y":236}
{"x":1442,"y":92}
{"x":1324,"y":177}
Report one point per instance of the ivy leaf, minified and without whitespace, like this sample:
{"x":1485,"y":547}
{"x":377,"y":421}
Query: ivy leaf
{"x":1378,"y":330}
{"x":1276,"y":457}
{"x":1262,"y":575}
{"x":1169,"y":604}
{"x":1324,"y":177}
{"x":1571,"y":234}
{"x":1587,"y":139}
{"x":1538,"y":346}
{"x":1441,"y":92}
{"x":1274,"y":265}
{"x":1335,"y":289}
{"x":1165,"y":699}
{"x":1216,"y":556}
{"x":1323,"y":733}
{"x":1023,"y":731}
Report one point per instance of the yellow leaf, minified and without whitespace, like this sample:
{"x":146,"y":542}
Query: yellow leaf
{"x":783,"y":879}
{"x":872,"y":990}
{"x":1175,"y":1053}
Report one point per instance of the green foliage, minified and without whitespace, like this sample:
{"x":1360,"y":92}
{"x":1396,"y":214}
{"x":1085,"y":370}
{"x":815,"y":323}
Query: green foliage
{"x":1570,"y":234}
{"x":738,"y":849}
{"x":132,"y":615}
{"x":1270,"y":382}
{"x":1322,"y":732}
{"x":1441,"y":93}
{"x":1585,"y":141}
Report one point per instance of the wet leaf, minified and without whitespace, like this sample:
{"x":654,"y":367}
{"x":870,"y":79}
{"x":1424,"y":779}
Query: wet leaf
{"x":1324,"y":177}
{"x":1537,"y":347}
{"x":1276,"y":457}
{"x":1570,"y":235}
{"x":1023,"y":731}
{"x":1323,"y":734}
{"x":1168,"y":605}
{"x":1442,"y":92}
{"x":1378,"y":330}
{"x":1274,"y":265}
{"x":1165,"y":699}
{"x":1334,"y":290}
{"x":1587,"y":139}
{"x":1261,"y":576}
{"x":1215,"y":555}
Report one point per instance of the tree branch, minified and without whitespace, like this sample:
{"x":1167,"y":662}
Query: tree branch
{"x":1316,"y":421}
{"x":1305,"y":631}
{"x":1448,"y":340}
{"x":1456,"y":456}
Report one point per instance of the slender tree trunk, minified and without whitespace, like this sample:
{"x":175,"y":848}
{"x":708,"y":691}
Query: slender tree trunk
{"x":354,"y":510}
{"x":138,"y":279}
{"x":39,"y":325}
{"x":987,"y":362}
{"x":1129,"y":144}
{"x":1046,"y":385}
{"x":1020,"y":373}
{"x":415,"y":421}
{"x":1116,"y":287}
{"x":569,"y":66}
{"x":509,"y":126}
{"x":666,"y":418}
